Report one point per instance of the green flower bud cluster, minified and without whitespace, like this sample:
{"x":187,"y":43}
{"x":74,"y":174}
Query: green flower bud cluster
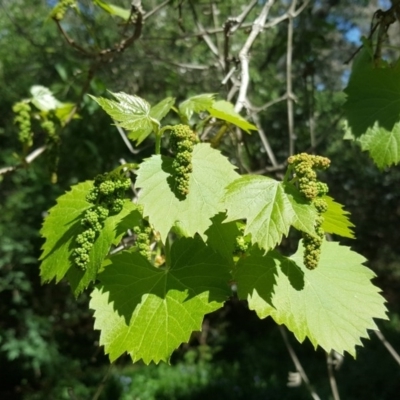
{"x":312,"y":245}
{"x":182,"y":141}
{"x":107,"y":196}
{"x":304,"y":166}
{"x":61,"y":8}
{"x":242,"y":242}
{"x":143,"y":236}
{"x":23,"y":120}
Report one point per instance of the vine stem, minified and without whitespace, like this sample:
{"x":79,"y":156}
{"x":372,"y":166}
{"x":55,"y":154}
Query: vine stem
{"x":289,"y":89}
{"x":297,"y":363}
{"x":332,"y":380}
{"x":388,"y":346}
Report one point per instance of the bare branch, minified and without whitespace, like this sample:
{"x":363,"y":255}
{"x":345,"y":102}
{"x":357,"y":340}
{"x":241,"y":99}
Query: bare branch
{"x":289,"y":92}
{"x":240,"y":19}
{"x":332,"y":381}
{"x":269,"y":104}
{"x":203,"y":32}
{"x":244,"y":54}
{"x":297,"y":363}
{"x":264,"y":139}
{"x":156,"y":9}
{"x":388,"y":346}
{"x":28,"y":159}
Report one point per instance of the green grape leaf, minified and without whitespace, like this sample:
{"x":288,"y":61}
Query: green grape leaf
{"x":221,"y":237}
{"x":147,"y":311}
{"x":373,"y":96}
{"x":114,"y":10}
{"x":305,"y":214}
{"x":336,"y":219}
{"x":196,"y":104}
{"x":224,"y":110}
{"x":270,"y":208}
{"x":382,"y":145}
{"x":43,"y":98}
{"x":60,"y":229}
{"x":333,"y":305}
{"x":211,"y":173}
{"x":64,"y":111}
{"x":161,"y":109}
{"x":130,"y":112}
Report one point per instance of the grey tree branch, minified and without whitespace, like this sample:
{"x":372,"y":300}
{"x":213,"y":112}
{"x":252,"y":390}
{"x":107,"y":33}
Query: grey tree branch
{"x":388,"y":346}
{"x":289,"y":92}
{"x":244,"y":54}
{"x":263,"y":137}
{"x":28,"y":159}
{"x":332,"y":381}
{"x":297,"y":363}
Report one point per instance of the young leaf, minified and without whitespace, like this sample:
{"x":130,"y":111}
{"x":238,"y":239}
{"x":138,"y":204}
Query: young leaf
{"x":211,"y":173}
{"x":224,"y":110}
{"x":372,"y":96}
{"x":336,"y":219}
{"x":333,"y":305}
{"x":269,"y":207}
{"x":60,"y":229}
{"x":114,"y":10}
{"x":161,"y":109}
{"x":382,"y":145}
{"x":43,"y":98}
{"x":196,"y":104}
{"x":148,"y":312}
{"x":131,"y":112}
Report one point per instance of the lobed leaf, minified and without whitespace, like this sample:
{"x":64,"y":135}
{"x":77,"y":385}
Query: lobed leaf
{"x":382,"y":145}
{"x":336,"y":219}
{"x":161,"y":109}
{"x":148,"y":312}
{"x":196,"y":104}
{"x":43,"y":98}
{"x":131,"y":112}
{"x":373,"y":96}
{"x":211,"y":173}
{"x":60,"y":229}
{"x":270,"y":208}
{"x":333,"y":305}
{"x":114,"y":10}
{"x":225,"y":110}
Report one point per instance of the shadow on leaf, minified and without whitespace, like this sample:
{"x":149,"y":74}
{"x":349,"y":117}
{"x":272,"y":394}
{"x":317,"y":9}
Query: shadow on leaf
{"x":194,"y":269}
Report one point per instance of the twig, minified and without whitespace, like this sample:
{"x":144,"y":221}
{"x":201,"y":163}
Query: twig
{"x":155,"y":9}
{"x":102,"y":383}
{"x":388,"y":346}
{"x":332,"y":381}
{"x":244,"y":54}
{"x":28,"y":159}
{"x":72,"y":42}
{"x":297,"y":363}
{"x":269,"y":104}
{"x":228,"y":76}
{"x":240,"y":19}
{"x":289,"y":92}
{"x":264,"y":139}
{"x":205,"y":36}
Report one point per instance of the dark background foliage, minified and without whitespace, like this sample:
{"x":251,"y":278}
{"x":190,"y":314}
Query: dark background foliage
{"x":47,"y":342}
